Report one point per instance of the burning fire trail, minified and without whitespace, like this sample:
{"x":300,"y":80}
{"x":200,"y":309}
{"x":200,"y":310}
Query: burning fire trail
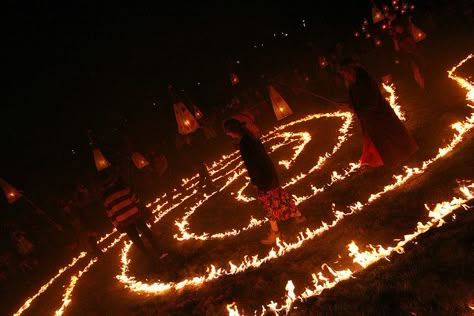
{"x":282,"y":249}
{"x":67,"y":295}
{"x":28,"y":302}
{"x":72,"y":284}
{"x":346,"y":116}
{"x":440,"y":211}
{"x":461,"y":128}
{"x":392,"y":99}
{"x":61,"y":271}
{"x":376,"y":253}
{"x":344,"y":135}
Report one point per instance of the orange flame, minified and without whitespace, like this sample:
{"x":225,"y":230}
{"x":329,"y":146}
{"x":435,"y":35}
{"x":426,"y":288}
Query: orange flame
{"x":321,"y":281}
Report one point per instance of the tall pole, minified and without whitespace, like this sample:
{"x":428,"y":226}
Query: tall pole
{"x":41,"y":212}
{"x":313,"y":94}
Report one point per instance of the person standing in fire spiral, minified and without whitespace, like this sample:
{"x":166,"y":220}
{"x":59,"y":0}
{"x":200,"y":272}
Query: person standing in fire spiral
{"x":387,"y":142}
{"x":276,"y":202}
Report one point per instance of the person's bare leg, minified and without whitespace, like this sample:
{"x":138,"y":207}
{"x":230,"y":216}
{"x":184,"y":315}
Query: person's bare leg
{"x":273,"y":235}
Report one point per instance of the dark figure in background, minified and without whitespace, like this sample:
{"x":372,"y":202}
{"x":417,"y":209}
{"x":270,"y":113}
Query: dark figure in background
{"x":409,"y":52}
{"x":126,"y":212}
{"x":386,"y":140}
{"x":82,"y":237}
{"x":277,"y":203}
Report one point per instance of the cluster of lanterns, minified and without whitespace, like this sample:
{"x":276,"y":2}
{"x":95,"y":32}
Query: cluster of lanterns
{"x":189,"y":122}
{"x":382,"y":19}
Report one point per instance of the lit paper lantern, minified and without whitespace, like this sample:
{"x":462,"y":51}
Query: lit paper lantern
{"x":139,"y":161}
{"x":234,"y":79}
{"x":377,"y":16}
{"x":417,"y":34}
{"x":101,"y":162}
{"x":11,"y":193}
{"x":280,"y":107}
{"x":197,"y":113}
{"x":186,"y":121}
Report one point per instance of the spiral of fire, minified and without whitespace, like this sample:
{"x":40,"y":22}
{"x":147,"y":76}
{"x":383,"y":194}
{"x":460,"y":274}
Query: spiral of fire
{"x":229,"y":173}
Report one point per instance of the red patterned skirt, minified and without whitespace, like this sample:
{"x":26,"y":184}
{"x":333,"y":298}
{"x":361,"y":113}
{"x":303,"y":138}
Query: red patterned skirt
{"x":277,"y":204}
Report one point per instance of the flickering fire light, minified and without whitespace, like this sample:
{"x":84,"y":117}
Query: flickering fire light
{"x":67,"y":295}
{"x":28,"y":302}
{"x":287,"y":137}
{"x":321,"y":281}
{"x":214,"y":272}
{"x":437,"y":214}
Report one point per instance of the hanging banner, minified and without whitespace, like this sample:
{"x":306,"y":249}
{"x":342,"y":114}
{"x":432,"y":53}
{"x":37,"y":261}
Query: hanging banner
{"x":280,"y":107}
{"x":186,"y":121}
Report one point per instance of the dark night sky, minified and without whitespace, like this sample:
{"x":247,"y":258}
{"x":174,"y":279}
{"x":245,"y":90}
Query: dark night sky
{"x":71,"y":66}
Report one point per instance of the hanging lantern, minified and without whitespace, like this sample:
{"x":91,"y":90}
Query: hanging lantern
{"x":234,"y":79}
{"x":280,"y":107}
{"x":139,"y":161}
{"x":11,"y":193}
{"x":186,"y":121}
{"x":417,"y":34}
{"x":197,"y":113}
{"x":101,"y":162}
{"x":377,"y":16}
